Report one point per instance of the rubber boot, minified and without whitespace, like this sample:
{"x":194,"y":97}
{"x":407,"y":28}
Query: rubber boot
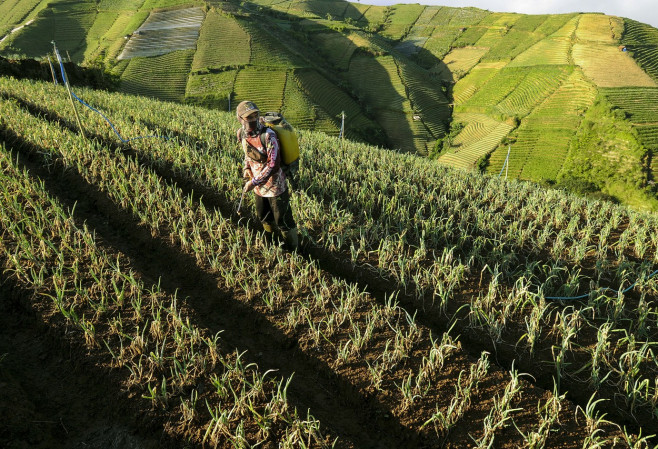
{"x":269,"y":232}
{"x":291,"y":238}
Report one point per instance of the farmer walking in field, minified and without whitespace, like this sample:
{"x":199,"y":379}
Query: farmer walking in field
{"x":263,"y":174}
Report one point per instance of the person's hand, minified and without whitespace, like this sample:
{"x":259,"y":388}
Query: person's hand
{"x":248,"y":186}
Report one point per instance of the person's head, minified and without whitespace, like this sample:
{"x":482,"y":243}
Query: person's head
{"x":248,"y":114}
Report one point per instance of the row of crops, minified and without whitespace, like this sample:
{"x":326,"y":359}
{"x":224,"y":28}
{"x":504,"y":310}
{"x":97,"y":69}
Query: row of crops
{"x":430,"y":244}
{"x":639,"y":106}
{"x":165,"y":32}
{"x":544,"y":137}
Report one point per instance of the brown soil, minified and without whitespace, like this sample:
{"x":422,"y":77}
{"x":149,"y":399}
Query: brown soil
{"x":340,"y":397}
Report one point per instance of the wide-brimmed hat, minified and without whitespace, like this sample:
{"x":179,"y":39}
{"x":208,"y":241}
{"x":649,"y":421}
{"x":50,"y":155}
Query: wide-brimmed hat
{"x":245,"y":108}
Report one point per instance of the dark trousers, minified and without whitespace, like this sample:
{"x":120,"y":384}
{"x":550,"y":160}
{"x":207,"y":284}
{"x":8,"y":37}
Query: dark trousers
{"x":276,"y":210}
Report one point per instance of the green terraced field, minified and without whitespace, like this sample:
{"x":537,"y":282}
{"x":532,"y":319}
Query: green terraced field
{"x":427,"y":99}
{"x":533,"y":89}
{"x":211,"y":90}
{"x":376,"y":81}
{"x":497,"y":89}
{"x":15,"y":12}
{"x":466,"y":87}
{"x":324,"y":93}
{"x":221,"y":43}
{"x":265,"y":87}
{"x":165,"y":31}
{"x":642,"y":41}
{"x":336,"y":47}
{"x":118,"y":5}
{"x":266,"y":50}
{"x":480,"y":136}
{"x":639,"y":104}
{"x":401,"y":20}
{"x":398,"y":72}
{"x":163,"y":77}
{"x":67,"y":28}
{"x":542,"y":140}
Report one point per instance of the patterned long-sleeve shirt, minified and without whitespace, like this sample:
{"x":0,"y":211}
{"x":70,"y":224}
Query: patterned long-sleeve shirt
{"x":265,"y":170}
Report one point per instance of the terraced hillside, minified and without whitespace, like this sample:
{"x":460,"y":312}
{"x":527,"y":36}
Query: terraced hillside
{"x":401,"y":75}
{"x":426,"y":307}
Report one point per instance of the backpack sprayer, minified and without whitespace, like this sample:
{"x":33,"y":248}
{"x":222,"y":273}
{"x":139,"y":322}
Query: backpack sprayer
{"x":288,"y":145}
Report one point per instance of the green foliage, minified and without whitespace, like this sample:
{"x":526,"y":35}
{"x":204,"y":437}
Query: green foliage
{"x":443,"y":143}
{"x":607,"y":154}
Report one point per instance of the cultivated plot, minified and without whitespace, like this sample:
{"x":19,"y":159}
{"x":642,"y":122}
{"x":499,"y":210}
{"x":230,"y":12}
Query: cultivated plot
{"x":164,"y":32}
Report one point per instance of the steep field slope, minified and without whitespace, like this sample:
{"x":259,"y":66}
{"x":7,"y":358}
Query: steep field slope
{"x":427,"y":306}
{"x":473,"y":88}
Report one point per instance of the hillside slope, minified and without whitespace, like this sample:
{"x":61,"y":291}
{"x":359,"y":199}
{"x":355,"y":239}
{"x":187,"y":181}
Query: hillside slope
{"x":465,"y":85}
{"x":131,"y":256}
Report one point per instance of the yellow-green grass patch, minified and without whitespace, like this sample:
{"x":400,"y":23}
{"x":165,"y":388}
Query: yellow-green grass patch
{"x":461,"y":60}
{"x":481,"y":135}
{"x":501,"y":19}
{"x":599,"y":28}
{"x":222,"y":42}
{"x":607,"y":66}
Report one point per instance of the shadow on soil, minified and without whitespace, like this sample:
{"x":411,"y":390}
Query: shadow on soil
{"x":196,"y":284}
{"x":357,"y":420}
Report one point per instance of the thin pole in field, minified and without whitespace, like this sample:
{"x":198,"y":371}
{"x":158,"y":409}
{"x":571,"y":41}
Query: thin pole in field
{"x":52,"y":70}
{"x":68,"y":88}
{"x":509,"y":148}
{"x":342,"y":125}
